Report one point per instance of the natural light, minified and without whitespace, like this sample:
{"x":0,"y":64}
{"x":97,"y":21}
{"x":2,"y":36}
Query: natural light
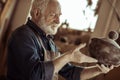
{"x":78,"y":14}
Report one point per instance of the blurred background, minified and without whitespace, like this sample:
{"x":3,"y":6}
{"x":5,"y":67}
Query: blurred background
{"x":81,"y":20}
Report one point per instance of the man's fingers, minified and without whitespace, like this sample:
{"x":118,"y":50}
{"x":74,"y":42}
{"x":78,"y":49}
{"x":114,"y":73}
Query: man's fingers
{"x":87,"y":59}
{"x":105,"y":69}
{"x":111,"y":67}
{"x":117,"y":65}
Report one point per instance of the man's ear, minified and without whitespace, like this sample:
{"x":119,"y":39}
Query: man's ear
{"x":36,"y":13}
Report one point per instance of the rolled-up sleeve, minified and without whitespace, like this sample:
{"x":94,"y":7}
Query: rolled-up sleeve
{"x":70,"y":72}
{"x":24,"y":62}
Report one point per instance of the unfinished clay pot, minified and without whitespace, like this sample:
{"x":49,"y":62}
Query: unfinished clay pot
{"x":105,"y":50}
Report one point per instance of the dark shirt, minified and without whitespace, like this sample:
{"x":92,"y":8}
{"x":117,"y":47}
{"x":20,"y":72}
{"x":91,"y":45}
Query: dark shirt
{"x":26,"y":56}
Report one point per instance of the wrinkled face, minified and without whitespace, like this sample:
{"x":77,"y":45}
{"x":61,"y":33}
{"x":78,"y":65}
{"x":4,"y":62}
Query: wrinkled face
{"x":50,"y":19}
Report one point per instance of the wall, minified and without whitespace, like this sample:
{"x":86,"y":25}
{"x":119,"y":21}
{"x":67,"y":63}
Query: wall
{"x":21,"y":13}
{"x":107,"y":18}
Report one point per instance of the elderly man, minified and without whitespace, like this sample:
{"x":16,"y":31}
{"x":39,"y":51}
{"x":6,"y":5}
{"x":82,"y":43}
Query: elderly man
{"x":32,"y":54}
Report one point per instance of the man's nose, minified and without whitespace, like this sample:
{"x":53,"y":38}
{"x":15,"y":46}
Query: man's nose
{"x":57,"y":20}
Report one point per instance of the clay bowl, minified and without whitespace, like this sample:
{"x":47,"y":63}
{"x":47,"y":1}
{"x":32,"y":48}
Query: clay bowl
{"x":106,"y":51}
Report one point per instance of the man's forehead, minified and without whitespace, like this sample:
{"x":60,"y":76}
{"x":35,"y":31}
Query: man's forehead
{"x":53,"y":3}
{"x":54,"y":6}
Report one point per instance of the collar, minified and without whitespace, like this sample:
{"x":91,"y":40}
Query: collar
{"x":37,"y":29}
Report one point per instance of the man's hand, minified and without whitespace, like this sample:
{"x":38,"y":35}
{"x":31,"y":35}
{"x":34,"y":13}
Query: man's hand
{"x":105,"y":69}
{"x":90,"y":72}
{"x":78,"y":57}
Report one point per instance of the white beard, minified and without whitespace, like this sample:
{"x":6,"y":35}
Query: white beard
{"x":48,"y":29}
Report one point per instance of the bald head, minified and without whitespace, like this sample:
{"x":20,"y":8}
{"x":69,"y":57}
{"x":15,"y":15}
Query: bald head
{"x":41,"y":5}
